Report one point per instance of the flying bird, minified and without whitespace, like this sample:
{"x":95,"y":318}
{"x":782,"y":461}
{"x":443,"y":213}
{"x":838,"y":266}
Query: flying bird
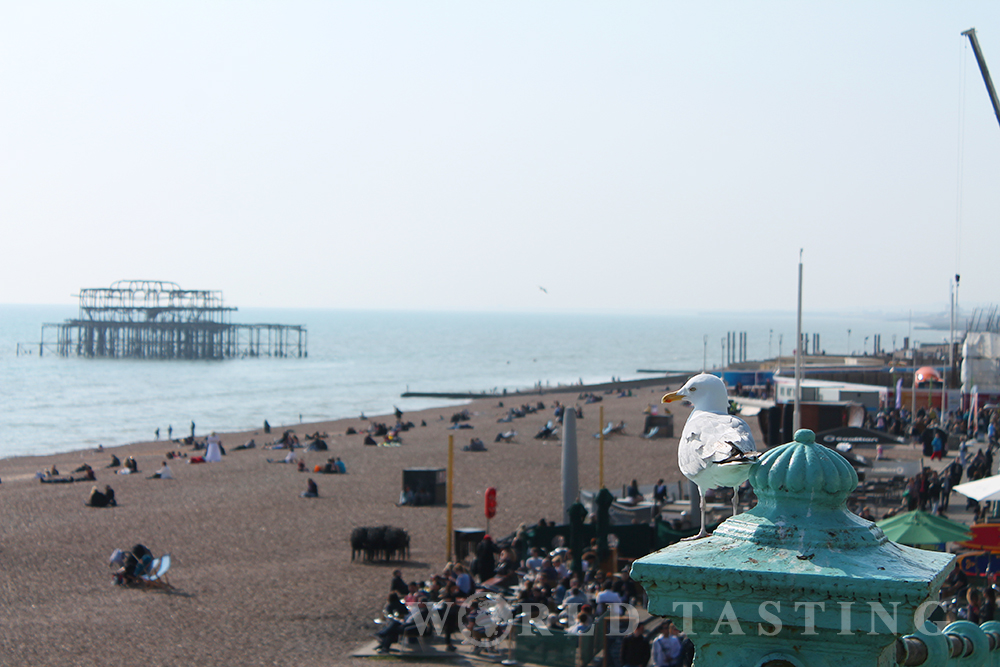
{"x":543,"y":289}
{"x":716,"y":448}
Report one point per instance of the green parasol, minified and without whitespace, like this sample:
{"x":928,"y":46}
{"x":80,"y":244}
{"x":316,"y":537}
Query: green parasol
{"x":919,"y":527}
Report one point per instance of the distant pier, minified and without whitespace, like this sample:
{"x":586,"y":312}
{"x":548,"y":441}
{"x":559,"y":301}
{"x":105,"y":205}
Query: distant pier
{"x":153,"y":319}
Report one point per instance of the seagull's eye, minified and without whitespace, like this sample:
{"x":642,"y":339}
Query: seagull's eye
{"x":693,"y":389}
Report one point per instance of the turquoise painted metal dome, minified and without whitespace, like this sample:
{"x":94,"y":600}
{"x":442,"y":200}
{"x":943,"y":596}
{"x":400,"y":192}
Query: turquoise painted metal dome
{"x":803,"y":469}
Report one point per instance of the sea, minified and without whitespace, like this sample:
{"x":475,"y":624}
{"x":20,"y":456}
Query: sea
{"x":363,"y":361}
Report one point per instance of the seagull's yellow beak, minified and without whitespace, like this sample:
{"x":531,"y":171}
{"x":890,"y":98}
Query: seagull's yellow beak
{"x":672,"y":396}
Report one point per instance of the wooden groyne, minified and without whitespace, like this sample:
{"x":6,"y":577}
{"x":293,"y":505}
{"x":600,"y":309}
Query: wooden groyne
{"x":621,"y":385}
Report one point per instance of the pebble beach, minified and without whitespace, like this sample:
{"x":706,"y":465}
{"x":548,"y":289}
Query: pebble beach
{"x":260,"y":575}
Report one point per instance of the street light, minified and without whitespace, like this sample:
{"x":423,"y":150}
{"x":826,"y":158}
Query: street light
{"x":864,"y":350}
{"x":848,"y":342}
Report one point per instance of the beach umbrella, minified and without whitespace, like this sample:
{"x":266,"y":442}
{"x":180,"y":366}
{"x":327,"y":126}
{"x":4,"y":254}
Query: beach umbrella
{"x":919,"y":527}
{"x":987,"y":488}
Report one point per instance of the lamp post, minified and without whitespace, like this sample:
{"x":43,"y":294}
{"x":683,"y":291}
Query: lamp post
{"x":864,"y":350}
{"x":704,"y":355}
{"x":848,"y":342}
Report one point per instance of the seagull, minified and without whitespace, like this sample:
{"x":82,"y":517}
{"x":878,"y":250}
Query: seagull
{"x":543,"y":289}
{"x":716,"y":448}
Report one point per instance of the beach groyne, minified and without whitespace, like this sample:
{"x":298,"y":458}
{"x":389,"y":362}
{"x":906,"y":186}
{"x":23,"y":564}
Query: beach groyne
{"x":599,"y":387}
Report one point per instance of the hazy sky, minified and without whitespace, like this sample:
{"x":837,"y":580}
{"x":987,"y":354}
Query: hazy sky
{"x":645,"y":156}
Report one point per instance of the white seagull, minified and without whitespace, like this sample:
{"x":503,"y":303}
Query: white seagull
{"x":716,"y":448}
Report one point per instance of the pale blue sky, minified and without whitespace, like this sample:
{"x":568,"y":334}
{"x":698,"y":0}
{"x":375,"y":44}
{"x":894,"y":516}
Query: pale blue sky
{"x":646,"y":156}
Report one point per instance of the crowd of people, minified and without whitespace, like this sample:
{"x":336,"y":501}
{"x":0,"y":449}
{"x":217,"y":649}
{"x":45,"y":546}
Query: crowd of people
{"x":535,"y":584}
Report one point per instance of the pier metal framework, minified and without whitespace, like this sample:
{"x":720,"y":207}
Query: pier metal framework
{"x":154,"y":319}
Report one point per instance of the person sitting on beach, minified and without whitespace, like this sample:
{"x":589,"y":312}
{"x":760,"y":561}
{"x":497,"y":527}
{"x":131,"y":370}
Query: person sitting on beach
{"x":290,"y":458}
{"x":534,"y":563}
{"x":131,"y":465}
{"x":115,"y":463}
{"x":475,"y":445}
{"x":582,"y":625}
{"x":83,"y":468}
{"x":341,"y":467}
{"x":508,"y":564}
{"x":98,"y":499}
{"x":463,"y":580}
{"x":406,"y":497}
{"x":369,"y":440}
{"x":163,"y":473}
{"x":312,"y":491}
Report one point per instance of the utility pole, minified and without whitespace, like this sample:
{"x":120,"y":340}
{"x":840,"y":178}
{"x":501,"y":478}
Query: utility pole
{"x":797,"y":414}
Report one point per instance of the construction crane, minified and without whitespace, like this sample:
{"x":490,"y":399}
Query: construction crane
{"x":971,"y":34}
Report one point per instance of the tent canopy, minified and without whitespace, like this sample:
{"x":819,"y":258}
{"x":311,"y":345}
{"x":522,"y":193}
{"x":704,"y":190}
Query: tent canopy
{"x":987,"y":488}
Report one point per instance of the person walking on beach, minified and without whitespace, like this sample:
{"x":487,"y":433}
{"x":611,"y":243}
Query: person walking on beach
{"x":170,"y":432}
{"x":192,"y":429}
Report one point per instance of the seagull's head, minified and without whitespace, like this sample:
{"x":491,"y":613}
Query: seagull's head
{"x":705,"y":392}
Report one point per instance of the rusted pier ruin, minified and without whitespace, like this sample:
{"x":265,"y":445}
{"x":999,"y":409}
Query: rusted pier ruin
{"x":152,"y":319}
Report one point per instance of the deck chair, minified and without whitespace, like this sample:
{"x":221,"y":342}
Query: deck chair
{"x":157,"y":575}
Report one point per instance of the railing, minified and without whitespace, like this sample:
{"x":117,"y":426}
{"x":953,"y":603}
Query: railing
{"x":961,"y":643}
{"x":557,"y":648}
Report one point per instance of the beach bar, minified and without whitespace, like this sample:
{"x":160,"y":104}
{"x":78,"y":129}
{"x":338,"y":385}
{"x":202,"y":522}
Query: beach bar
{"x":153,"y":319}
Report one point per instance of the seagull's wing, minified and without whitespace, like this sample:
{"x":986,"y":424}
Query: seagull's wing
{"x":709,"y":438}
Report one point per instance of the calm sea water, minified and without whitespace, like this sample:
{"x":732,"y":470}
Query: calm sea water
{"x":363,"y":361}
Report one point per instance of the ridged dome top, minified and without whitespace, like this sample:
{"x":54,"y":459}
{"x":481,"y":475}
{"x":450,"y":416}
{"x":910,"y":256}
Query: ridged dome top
{"x":803,"y":469}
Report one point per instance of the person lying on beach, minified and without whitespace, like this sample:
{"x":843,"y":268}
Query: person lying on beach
{"x":312,"y":491}
{"x":83,"y":468}
{"x":250,"y":444}
{"x":163,"y":473}
{"x":46,"y":478}
{"x":98,"y":499}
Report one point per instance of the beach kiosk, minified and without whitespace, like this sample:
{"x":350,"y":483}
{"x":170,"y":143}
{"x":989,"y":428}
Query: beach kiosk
{"x":429,"y":483}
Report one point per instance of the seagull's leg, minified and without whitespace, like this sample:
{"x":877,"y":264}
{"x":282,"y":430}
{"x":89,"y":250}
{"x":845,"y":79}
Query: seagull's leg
{"x":704,"y":529}
{"x":736,"y":501}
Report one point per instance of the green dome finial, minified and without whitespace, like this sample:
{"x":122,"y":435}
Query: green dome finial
{"x":805,"y":472}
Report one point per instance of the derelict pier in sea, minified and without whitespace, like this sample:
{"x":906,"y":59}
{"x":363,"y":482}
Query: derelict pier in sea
{"x":153,"y":319}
